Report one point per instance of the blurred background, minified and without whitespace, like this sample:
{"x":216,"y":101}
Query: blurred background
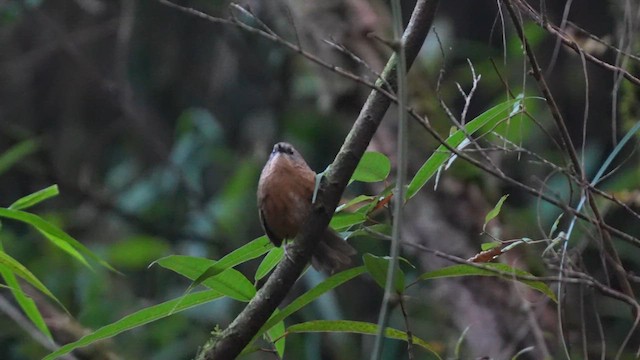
{"x":155,"y":126}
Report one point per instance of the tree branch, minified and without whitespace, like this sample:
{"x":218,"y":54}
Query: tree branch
{"x":240,"y":332}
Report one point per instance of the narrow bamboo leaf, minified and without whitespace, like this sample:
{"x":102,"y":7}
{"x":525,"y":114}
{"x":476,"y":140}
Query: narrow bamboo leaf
{"x":7,"y":263}
{"x":614,"y":153}
{"x":378,"y":268}
{"x":489,"y":118}
{"x":269,"y":262}
{"x":522,"y":352}
{"x":25,"y":302}
{"x":306,"y":298}
{"x":16,"y":153}
{"x":230,"y":282}
{"x":468,"y":270}
{"x":495,"y":211}
{"x":554,"y":226}
{"x":357,"y":200}
{"x":276,"y":333}
{"x":460,"y":341}
{"x":139,"y":318}
{"x":249,"y":251}
{"x":53,"y":231}
{"x":358,"y":327}
{"x":373,"y":167}
{"x":66,"y":247}
{"x":384,"y":229}
{"x":35,"y":198}
{"x":344,"y":220}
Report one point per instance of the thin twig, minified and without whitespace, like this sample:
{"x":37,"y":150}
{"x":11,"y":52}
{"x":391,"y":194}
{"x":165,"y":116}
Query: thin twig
{"x":407,"y":326}
{"x":595,"y":38}
{"x":467,"y":97}
{"x":401,"y":175}
{"x":570,"y":43}
{"x":19,"y":319}
{"x":278,"y":40}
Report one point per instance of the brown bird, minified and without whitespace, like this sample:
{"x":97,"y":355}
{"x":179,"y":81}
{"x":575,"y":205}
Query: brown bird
{"x":284,"y":201}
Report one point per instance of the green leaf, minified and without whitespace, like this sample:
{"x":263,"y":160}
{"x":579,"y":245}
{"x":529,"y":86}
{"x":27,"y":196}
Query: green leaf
{"x":9,"y":264}
{"x":494,"y":212}
{"x":249,"y":251}
{"x":344,"y":220}
{"x":306,"y":298}
{"x":276,"y":333}
{"x":490,"y":245}
{"x":139,"y":318}
{"x":384,"y":229}
{"x":66,"y":247}
{"x":35,"y":198}
{"x":16,"y":153}
{"x":468,"y":270}
{"x":58,"y":237}
{"x":357,"y":327}
{"x":378,"y":268}
{"x":373,"y":167}
{"x":358,"y":199}
{"x":489,"y":118}
{"x":25,"y":302}
{"x":229,"y":282}
{"x":269,"y":262}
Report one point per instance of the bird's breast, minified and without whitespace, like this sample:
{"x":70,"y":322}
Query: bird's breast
{"x":284,"y":197}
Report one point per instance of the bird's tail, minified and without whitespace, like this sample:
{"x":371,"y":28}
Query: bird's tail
{"x":332,"y":253}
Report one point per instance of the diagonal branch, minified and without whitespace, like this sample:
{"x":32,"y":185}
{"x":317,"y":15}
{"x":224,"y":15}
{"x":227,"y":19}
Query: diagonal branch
{"x":243,"y":329}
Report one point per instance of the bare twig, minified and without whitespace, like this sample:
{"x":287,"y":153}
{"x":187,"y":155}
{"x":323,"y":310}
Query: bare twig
{"x":467,"y":97}
{"x":278,"y":40}
{"x":407,"y":326}
{"x":14,"y":314}
{"x":360,"y":61}
{"x":570,"y":43}
{"x":595,"y":38}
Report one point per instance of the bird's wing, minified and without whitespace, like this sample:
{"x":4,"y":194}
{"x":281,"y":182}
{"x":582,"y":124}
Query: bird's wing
{"x":274,"y":239}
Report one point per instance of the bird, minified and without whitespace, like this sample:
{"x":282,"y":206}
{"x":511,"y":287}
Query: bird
{"x":285,"y":192}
